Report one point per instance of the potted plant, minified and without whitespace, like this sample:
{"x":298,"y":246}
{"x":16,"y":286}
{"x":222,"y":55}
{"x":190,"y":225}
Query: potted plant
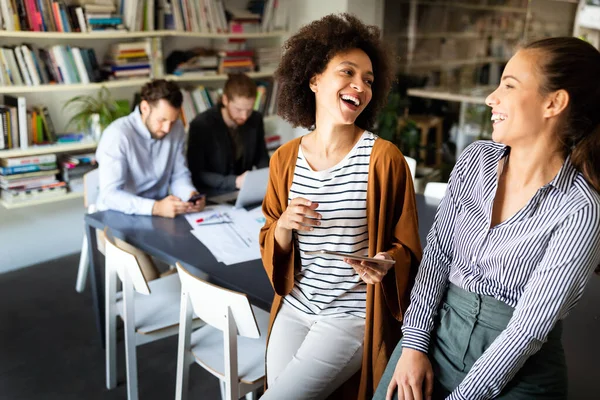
{"x":93,"y":113}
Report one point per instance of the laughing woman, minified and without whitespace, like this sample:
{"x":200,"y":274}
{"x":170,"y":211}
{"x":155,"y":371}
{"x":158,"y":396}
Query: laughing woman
{"x":337,"y":188}
{"x":514,"y":242}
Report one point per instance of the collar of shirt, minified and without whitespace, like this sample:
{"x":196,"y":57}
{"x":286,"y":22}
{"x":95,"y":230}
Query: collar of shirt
{"x":563,"y":179}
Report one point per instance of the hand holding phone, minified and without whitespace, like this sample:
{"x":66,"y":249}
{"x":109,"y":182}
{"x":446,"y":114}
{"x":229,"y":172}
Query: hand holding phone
{"x":195,"y":198}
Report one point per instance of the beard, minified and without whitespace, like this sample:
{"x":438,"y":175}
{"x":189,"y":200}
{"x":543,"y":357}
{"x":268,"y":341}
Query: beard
{"x":153,"y":133}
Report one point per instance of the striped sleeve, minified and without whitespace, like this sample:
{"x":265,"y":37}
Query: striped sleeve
{"x":432,"y":278}
{"x":554,"y":288}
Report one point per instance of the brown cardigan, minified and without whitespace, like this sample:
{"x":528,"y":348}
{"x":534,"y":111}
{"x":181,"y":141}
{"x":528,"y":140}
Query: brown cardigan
{"x":392,"y":227}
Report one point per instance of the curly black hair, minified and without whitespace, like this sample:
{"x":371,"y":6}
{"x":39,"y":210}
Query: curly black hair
{"x":307,"y":54}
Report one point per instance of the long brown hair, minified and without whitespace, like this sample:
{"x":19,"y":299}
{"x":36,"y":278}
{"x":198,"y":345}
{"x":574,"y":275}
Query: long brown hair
{"x":573,"y":65}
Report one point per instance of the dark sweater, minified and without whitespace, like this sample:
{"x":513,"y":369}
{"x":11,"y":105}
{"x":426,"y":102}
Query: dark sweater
{"x":210,"y":152}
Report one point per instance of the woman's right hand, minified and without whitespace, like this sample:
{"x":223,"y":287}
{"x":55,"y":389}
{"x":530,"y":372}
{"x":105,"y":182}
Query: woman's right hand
{"x":300,"y":215}
{"x":413,"y":377}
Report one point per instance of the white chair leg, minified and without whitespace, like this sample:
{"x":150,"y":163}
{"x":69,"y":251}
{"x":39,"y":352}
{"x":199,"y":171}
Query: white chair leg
{"x":223,"y":387}
{"x":111,"y":328}
{"x":84,"y":266}
{"x":251,"y":395}
{"x":184,"y":354}
{"x":130,"y":339}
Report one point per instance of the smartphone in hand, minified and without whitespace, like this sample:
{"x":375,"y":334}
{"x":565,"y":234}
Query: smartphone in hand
{"x":195,"y":198}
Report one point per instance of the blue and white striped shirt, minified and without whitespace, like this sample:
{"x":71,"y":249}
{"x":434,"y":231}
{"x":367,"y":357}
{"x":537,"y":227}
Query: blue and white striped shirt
{"x":537,"y":261}
{"x":135,"y":170}
{"x":325,"y":285}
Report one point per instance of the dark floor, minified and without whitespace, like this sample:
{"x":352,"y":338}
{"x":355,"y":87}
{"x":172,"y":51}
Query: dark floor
{"x":50,"y":349}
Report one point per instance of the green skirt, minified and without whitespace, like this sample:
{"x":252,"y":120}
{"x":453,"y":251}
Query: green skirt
{"x":466,"y":326}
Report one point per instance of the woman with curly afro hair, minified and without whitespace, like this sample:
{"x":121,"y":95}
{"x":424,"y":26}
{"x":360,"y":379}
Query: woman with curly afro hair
{"x":335,"y":321}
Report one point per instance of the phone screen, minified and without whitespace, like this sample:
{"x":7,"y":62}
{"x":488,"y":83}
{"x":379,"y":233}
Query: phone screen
{"x":196,"y":197}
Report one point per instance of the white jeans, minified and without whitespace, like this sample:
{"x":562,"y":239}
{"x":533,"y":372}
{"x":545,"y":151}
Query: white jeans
{"x":308,"y":356}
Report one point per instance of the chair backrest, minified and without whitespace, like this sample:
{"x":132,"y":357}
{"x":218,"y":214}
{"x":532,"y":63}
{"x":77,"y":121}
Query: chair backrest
{"x":125,"y":262}
{"x":211,"y":304}
{"x":435,"y":190}
{"x":91,"y":188}
{"x":412,"y":165}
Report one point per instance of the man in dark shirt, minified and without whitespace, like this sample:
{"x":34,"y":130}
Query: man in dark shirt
{"x":228,"y":140}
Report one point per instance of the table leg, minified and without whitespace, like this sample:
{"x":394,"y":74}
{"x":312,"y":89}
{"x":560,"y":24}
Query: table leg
{"x":96,"y":281}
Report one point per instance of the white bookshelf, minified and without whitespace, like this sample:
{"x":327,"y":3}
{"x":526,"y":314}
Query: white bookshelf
{"x":458,"y":62}
{"x":456,"y":35}
{"x":195,"y":77}
{"x":122,"y":83}
{"x":470,"y":6}
{"x":115,"y":35}
{"x":46,"y":200}
{"x":48,"y":149}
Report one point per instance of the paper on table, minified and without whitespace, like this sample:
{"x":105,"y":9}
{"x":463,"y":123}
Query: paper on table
{"x":227,"y":244}
{"x":233,"y":242}
{"x":210,"y":215}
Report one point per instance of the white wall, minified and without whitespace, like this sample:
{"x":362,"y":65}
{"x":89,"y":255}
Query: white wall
{"x":34,"y":234}
{"x":37,"y":234}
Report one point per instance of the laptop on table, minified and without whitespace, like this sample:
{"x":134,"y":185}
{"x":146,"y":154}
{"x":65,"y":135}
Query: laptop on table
{"x":252,"y":192}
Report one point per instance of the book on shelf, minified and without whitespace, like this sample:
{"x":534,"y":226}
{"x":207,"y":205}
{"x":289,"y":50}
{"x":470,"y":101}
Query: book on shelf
{"x":30,"y":66}
{"x":28,"y":160}
{"x":27,"y":168}
{"x":74,"y":167}
{"x":28,"y":183}
{"x":17,"y":107}
{"x":5,"y":179}
{"x":202,"y":16}
{"x":57,"y":16}
{"x":27,"y":195}
{"x":199,"y":99}
{"x":142,"y":58}
{"x":272,"y":142}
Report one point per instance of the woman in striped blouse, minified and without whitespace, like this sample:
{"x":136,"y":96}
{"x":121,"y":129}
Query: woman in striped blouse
{"x":514,"y":242}
{"x":338,"y":188}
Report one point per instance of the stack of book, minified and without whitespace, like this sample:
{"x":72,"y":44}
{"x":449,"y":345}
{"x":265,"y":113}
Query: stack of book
{"x":26,"y":65}
{"x":129,"y":60}
{"x":74,"y":166}
{"x":199,"y":61}
{"x":31,"y":178}
{"x":236,"y":61}
{"x":267,"y":58}
{"x":101,"y":15}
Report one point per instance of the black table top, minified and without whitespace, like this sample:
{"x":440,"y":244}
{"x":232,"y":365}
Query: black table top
{"x":171,"y":241}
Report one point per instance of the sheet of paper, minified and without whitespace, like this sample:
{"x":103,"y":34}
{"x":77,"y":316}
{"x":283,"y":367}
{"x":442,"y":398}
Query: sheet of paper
{"x":232,"y":242}
{"x":210,"y":215}
{"x":227,"y":244}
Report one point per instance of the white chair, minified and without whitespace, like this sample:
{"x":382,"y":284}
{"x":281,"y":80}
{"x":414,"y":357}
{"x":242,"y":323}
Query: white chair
{"x":146,"y":318}
{"x":412,"y":165}
{"x":90,"y":195}
{"x":435,"y":190}
{"x":239,"y":363}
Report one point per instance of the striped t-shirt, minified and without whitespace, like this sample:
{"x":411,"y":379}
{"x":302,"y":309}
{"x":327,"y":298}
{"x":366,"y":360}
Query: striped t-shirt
{"x":324,"y":285}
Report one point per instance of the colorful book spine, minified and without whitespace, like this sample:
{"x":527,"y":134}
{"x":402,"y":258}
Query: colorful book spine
{"x":26,"y":168}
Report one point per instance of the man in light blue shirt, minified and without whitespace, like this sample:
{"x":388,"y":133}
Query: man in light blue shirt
{"x":141,"y":156}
